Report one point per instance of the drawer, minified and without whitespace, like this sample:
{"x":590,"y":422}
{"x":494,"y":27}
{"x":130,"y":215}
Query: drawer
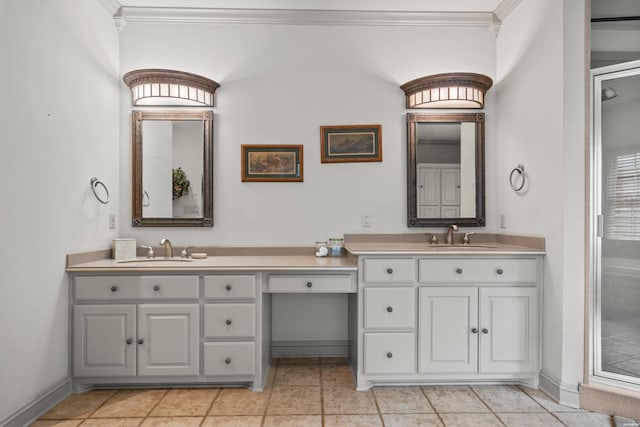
{"x":311,"y":284}
{"x":389,"y":307}
{"x":228,"y":287}
{"x":229,"y":358}
{"x":485,"y":270}
{"x":229,"y":320}
{"x":135,"y":287}
{"x":386,"y":353}
{"x":389,"y":270}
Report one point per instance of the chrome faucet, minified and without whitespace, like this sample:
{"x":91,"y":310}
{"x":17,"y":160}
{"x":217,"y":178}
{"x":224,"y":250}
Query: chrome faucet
{"x":452,"y":229}
{"x":168,"y":249}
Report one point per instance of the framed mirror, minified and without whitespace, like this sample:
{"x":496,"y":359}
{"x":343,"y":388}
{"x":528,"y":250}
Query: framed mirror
{"x":445,"y":170}
{"x":172,"y":169}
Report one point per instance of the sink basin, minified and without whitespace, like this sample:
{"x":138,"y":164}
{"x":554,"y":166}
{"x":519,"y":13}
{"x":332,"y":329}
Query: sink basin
{"x":440,"y":246}
{"x":156,"y":260}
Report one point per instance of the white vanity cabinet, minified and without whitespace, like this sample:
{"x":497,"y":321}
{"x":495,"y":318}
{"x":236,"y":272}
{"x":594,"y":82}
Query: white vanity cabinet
{"x":448,"y":318}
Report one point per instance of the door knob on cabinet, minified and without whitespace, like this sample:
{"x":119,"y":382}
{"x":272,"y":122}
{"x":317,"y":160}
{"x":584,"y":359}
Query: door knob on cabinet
{"x":114,"y":288}
{"x":485,"y":331}
{"x":499,"y":271}
{"x":140,"y":341}
{"x":129,"y":341}
{"x":227,"y":361}
{"x":309,"y":284}
{"x":389,"y":270}
{"x":228,"y":287}
{"x":474,"y":330}
{"x":228,"y":322}
{"x":390,"y":309}
{"x":389,"y":355}
{"x":459,"y":270}
{"x":156,"y":288}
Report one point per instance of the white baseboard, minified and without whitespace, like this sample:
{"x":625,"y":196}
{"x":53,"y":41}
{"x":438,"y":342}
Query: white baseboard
{"x":337,"y":348}
{"x":564,"y":394}
{"x":47,"y":400}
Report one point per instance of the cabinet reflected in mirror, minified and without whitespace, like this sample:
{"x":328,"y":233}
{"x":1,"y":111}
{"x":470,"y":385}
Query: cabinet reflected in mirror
{"x":172,"y":168}
{"x":445,"y":170}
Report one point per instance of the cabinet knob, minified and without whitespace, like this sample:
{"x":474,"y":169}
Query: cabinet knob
{"x":114,"y":288}
{"x":156,"y":288}
{"x":309,"y":284}
{"x":459,"y":270}
{"x":485,"y":331}
{"x":228,"y":322}
{"x":499,"y":271}
{"x":227,"y":361}
{"x":389,"y":355}
{"x":390,"y":309}
{"x":389,"y":270}
{"x":140,"y":341}
{"x":228,"y":287}
{"x":474,"y":330}
{"x":129,"y":340}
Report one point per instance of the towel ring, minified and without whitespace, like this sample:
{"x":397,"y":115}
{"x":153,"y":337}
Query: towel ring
{"x":517,"y":172}
{"x":95,"y":183}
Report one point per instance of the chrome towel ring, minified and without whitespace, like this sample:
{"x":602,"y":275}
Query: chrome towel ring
{"x":95,"y":183}
{"x":517,"y":174}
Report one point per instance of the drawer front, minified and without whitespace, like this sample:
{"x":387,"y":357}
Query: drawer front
{"x":229,"y":358}
{"x":311,"y":284}
{"x":389,"y":270}
{"x":389,"y":307}
{"x":386,"y":353}
{"x":486,"y":270}
{"x":229,"y":320}
{"x":104,"y":288}
{"x":228,"y":287}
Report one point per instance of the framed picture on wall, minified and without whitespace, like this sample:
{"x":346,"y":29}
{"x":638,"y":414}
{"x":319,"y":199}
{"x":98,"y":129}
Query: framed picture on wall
{"x":353,"y":143}
{"x":272,"y":163}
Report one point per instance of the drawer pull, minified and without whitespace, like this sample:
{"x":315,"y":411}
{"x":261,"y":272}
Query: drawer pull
{"x":227,"y":361}
{"x":129,"y":341}
{"x":156,"y":288}
{"x":389,"y":355}
{"x":114,"y":288}
{"x":390,"y":309}
{"x":485,"y":331}
{"x":228,"y":322}
{"x":459,"y":270}
{"x":474,"y":330}
{"x":309,"y":284}
{"x":389,"y":270}
{"x":228,"y":287}
{"x":499,"y":271}
{"x":140,"y":341}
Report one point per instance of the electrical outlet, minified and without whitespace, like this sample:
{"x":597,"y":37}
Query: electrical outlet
{"x":366,"y":219}
{"x":112,"y":221}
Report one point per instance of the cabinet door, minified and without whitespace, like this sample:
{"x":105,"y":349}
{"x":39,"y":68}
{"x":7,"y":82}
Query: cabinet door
{"x":428,"y":186}
{"x":168,"y":339}
{"x":450,"y":186}
{"x":508,"y":330}
{"x":104,"y":340}
{"x":448,"y":318}
{"x":389,"y":308}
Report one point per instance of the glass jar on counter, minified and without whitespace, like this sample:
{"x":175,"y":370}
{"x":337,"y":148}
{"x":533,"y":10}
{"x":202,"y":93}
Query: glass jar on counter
{"x":336,"y":247}
{"x":321,"y":249}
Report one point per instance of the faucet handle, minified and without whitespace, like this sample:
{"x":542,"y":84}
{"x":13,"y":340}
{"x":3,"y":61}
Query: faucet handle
{"x":150,"y":254}
{"x":466,"y":239}
{"x":185,"y":251}
{"x":434,"y":239}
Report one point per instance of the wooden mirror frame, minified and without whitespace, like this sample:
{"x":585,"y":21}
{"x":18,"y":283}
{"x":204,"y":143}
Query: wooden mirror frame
{"x":207,"y":171}
{"x":412,"y":203}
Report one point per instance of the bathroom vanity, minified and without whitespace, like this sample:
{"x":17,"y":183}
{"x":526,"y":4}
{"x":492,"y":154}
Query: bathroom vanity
{"x":418,"y":313}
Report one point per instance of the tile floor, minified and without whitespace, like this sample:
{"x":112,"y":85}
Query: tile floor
{"x":318,"y":392}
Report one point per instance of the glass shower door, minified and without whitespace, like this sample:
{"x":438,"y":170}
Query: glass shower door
{"x":616,"y":246}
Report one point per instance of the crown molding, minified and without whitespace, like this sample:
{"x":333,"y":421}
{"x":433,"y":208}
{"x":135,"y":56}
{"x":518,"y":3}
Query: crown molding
{"x":304,"y":17}
{"x":112,"y":6}
{"x":505,"y":8}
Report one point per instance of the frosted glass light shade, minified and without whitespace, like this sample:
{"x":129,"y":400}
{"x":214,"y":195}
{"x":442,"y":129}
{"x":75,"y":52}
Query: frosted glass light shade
{"x":448,"y":90}
{"x":169,"y":87}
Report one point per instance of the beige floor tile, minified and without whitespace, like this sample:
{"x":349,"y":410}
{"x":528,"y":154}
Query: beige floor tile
{"x":112,"y":422}
{"x":507,"y":398}
{"x":297,"y":375}
{"x":56,"y":423}
{"x":298,"y":361}
{"x":533,"y":419}
{"x":240,"y":401}
{"x":185,"y":402}
{"x":130,"y":403}
{"x":454,"y":399}
{"x":270,"y":377}
{"x":346,"y":400}
{"x":412,"y":420}
{"x":337,"y":375}
{"x":295,"y":400}
{"x":172,"y":422}
{"x":401,"y":400}
{"x":584,"y":419}
{"x":293,"y":421}
{"x":233,"y":421}
{"x":334,"y":360}
{"x":79,"y":405}
{"x":547,"y":402}
{"x":471,"y":420}
{"x":352,"y":421}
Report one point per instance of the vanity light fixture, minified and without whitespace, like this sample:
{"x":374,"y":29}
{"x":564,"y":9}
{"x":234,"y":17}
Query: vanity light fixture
{"x":448,"y":90}
{"x":169,"y":87}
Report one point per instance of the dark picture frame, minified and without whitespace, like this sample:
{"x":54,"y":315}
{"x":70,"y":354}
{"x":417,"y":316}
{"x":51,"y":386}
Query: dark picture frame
{"x":351,"y":143}
{"x":272,"y":163}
